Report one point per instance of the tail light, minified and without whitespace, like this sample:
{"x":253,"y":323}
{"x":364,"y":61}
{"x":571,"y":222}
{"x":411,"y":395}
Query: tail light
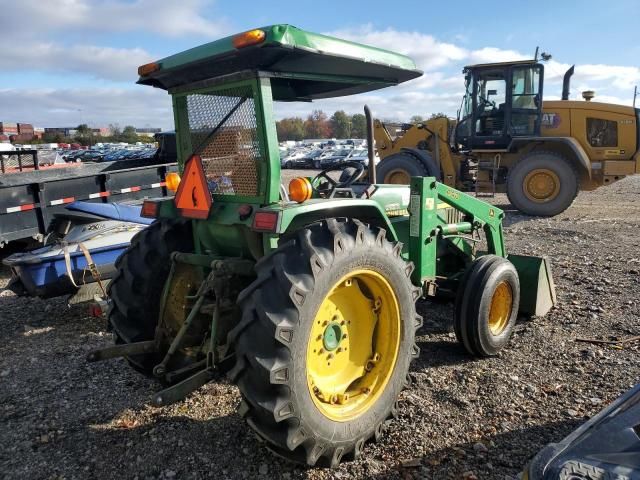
{"x":265,"y":221}
{"x":149,"y":209}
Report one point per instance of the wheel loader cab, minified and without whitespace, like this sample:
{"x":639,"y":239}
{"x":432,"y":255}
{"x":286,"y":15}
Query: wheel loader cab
{"x":502,"y":101}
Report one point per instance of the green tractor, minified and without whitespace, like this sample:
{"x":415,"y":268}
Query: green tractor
{"x":305,"y":297}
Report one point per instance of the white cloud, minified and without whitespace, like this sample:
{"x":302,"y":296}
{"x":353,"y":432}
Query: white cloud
{"x":118,"y":64}
{"x":493,"y":54}
{"x":440,"y":89}
{"x":138,"y":106}
{"x":163,"y":17}
{"x":428,"y":53}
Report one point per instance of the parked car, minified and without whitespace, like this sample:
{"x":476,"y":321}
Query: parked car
{"x":329,"y":158}
{"x":360,"y":155}
{"x":300,"y":158}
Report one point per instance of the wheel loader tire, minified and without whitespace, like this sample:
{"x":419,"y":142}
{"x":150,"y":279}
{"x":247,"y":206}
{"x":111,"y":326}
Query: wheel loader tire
{"x":542,"y":184}
{"x":400,"y":167}
{"x":486,"y":306}
{"x":136,"y":289}
{"x":308,"y":309}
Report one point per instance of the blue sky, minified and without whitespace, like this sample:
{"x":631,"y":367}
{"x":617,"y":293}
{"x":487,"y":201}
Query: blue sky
{"x":65,"y":62}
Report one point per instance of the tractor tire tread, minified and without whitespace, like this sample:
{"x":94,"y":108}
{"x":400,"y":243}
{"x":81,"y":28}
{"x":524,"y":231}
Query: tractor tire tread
{"x":270,"y":306}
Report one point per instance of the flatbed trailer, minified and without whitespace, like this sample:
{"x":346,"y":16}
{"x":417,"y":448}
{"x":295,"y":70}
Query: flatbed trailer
{"x":30,"y":199}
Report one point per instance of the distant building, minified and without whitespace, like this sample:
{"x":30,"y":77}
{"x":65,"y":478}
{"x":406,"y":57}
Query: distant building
{"x":64,"y":131}
{"x":101,"y":132}
{"x":148,"y":132}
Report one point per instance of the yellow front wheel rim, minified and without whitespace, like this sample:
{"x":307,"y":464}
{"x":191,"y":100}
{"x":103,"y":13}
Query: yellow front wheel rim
{"x":541,"y":185}
{"x":398,"y":177}
{"x":353,"y":345}
{"x":500,"y":309}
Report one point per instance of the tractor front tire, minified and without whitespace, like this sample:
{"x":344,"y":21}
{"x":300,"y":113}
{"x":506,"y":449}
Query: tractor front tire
{"x":136,"y":289}
{"x":486,"y":305}
{"x":325,"y":341}
{"x":400,"y":167}
{"x":542,"y":184}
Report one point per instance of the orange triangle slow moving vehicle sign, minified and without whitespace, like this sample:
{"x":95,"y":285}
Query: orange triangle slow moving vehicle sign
{"x":193,"y":198}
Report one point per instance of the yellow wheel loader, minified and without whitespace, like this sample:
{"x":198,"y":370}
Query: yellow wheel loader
{"x":507,"y":140}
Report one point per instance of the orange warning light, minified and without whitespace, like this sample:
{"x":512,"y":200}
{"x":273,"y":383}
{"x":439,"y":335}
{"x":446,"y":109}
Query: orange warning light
{"x":193,"y":198}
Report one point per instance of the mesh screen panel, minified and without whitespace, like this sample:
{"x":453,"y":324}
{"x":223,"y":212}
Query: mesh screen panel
{"x":223,"y":130}
{"x":15,"y":161}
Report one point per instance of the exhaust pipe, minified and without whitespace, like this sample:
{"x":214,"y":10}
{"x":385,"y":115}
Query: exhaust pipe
{"x":566,"y":83}
{"x":370,"y":149}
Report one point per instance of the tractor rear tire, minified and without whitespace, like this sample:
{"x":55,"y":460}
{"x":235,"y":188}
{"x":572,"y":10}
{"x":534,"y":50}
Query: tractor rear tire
{"x":400,"y":167}
{"x":277,"y":364}
{"x":486,"y":305}
{"x":542,"y":184}
{"x":136,"y":289}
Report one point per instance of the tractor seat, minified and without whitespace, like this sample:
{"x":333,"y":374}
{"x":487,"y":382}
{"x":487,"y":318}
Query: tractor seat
{"x":112,"y":211}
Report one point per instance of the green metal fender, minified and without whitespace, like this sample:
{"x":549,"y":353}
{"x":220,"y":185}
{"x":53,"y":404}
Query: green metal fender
{"x":295,"y":216}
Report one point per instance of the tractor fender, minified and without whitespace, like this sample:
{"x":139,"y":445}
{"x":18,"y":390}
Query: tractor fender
{"x":367,"y":211}
{"x":427,"y":160}
{"x":568,"y":146}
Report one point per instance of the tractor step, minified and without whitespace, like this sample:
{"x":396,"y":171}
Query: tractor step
{"x":180,"y":390}
{"x":123,"y":350}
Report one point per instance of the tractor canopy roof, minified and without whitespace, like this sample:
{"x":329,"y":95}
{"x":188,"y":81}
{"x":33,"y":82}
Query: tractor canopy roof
{"x":303,"y":65}
{"x":514,"y":63}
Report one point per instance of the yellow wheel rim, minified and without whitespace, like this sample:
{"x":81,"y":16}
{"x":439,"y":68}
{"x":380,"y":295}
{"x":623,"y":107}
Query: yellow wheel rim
{"x":353,"y":345}
{"x":397,"y":177}
{"x":541,"y":185}
{"x":500,"y":309}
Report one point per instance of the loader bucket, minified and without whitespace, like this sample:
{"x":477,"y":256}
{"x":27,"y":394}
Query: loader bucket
{"x":537,"y":290}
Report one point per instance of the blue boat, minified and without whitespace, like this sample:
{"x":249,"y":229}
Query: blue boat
{"x":80,"y":254}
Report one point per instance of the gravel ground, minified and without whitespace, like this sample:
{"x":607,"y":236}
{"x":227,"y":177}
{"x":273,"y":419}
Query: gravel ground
{"x":64,"y":418}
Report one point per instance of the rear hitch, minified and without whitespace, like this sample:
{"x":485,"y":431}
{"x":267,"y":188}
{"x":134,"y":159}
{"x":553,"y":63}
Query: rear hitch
{"x":180,"y":390}
{"x":208,"y":300}
{"x":123,"y":350}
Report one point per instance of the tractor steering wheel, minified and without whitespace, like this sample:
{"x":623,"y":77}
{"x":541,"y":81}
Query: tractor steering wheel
{"x":329,"y":184}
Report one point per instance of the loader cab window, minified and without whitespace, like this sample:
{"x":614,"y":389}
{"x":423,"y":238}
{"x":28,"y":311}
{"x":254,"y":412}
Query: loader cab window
{"x":525,"y":100}
{"x":465,"y":114}
{"x":490,"y":104}
{"x":502,"y":101}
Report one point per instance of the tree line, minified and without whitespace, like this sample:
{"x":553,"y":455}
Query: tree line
{"x":319,"y":125}
{"x":85,"y":136}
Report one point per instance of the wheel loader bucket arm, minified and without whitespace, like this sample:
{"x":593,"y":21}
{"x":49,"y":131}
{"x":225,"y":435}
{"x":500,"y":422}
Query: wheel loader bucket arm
{"x":381,"y":136}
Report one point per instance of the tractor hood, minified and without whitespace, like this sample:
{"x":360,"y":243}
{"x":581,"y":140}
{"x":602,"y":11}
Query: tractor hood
{"x":303,"y":65}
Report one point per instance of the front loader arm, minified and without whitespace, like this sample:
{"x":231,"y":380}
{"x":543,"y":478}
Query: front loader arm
{"x":425,"y":224}
{"x":485,"y":215}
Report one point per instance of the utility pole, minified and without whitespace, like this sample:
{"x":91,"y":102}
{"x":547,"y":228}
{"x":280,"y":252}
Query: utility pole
{"x":635,"y":94}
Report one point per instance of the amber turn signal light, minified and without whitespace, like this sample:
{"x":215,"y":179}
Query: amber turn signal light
{"x":147,"y":68}
{"x":246,"y":39}
{"x":172,"y":180}
{"x":300,"y":189}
